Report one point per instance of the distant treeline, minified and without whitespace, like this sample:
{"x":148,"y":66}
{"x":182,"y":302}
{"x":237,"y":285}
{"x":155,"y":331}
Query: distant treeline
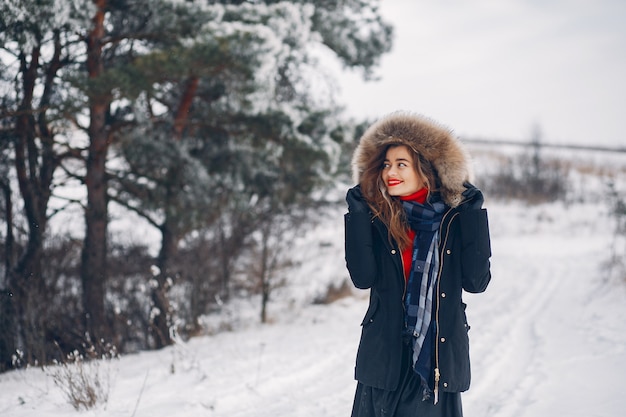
{"x":501,"y":142}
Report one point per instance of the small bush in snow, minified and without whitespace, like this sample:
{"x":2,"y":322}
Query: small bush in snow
{"x":617,"y":206}
{"x":335,"y":292}
{"x":84,"y":379}
{"x":531,"y":177}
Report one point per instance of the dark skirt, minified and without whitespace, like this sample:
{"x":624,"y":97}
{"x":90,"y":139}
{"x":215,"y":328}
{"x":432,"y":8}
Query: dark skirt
{"x":406,"y":401}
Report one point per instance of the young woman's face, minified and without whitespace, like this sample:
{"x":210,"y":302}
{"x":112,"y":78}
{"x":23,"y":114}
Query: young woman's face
{"x":399,"y":174}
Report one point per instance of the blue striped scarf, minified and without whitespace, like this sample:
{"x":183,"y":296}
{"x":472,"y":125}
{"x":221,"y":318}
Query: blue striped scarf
{"x":424,"y":219}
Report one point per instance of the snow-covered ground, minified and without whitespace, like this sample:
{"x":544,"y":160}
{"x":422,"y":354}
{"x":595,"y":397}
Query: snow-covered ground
{"x":548,"y":337}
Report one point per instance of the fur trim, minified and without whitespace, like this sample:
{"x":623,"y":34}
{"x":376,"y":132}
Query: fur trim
{"x":435,"y":142}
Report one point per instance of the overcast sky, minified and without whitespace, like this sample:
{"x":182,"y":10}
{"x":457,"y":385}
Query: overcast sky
{"x":497,"y":69}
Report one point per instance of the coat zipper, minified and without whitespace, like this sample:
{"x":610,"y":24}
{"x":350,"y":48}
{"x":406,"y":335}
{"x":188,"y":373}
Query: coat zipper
{"x":404,"y":285}
{"x":441,"y":260}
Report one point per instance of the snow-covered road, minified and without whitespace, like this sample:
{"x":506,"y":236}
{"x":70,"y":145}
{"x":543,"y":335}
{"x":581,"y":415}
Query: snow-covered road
{"x":549,"y":339}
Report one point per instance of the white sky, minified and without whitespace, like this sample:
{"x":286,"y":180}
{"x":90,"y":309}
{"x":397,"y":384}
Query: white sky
{"x":500,"y":68}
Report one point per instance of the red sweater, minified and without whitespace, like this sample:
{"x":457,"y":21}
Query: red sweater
{"x":407,"y":254}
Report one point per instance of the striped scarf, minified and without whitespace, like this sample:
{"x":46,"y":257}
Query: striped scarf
{"x":424,"y":219}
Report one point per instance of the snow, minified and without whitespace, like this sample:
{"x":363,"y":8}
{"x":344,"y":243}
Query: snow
{"x":547,"y":337}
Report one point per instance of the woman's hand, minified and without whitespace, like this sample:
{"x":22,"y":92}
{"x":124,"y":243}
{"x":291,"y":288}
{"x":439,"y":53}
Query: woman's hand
{"x":473,"y":197}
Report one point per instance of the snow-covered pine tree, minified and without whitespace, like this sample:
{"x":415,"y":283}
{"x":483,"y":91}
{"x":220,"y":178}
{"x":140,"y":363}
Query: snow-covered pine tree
{"x":221,"y":112}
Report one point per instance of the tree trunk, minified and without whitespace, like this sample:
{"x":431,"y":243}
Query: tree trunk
{"x":182,"y":114}
{"x":161,"y":320}
{"x":170,"y":235}
{"x":94,"y":252}
{"x":8,"y":328}
{"x":34,"y":166}
{"x":8,"y":244}
{"x":265,"y":272}
{"x":225,"y":263}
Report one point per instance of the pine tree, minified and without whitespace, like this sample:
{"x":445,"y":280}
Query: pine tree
{"x":37,"y":38}
{"x":214,"y":108}
{"x":257,"y":128}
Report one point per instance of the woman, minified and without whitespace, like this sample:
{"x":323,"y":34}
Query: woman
{"x":416,"y":236}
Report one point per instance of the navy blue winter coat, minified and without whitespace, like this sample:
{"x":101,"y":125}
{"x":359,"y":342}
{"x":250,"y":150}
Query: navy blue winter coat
{"x":374,"y":262}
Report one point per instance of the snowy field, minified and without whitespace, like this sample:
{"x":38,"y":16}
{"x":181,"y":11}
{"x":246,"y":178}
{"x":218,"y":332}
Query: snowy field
{"x":548,"y":338}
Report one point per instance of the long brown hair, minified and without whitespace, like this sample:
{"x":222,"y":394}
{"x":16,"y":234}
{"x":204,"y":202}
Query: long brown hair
{"x":387,"y":208}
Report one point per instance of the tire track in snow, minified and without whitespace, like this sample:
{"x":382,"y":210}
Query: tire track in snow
{"x":528,"y":323}
{"x":505,"y":349}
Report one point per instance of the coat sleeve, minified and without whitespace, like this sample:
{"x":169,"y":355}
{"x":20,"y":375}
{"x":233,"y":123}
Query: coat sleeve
{"x":476,"y":249}
{"x":360,"y":258}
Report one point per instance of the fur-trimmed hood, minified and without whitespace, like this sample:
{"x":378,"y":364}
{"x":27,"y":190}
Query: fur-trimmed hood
{"x":435,"y":142}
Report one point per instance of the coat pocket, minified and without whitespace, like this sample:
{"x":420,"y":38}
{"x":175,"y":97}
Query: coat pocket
{"x":465,"y":323}
{"x":371,"y":312}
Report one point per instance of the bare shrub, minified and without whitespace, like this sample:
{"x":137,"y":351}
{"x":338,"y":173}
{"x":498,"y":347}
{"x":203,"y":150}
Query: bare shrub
{"x":335,"y":292}
{"x":128,"y":296}
{"x":531,"y":177}
{"x":84,"y":379}
{"x":617,"y":206}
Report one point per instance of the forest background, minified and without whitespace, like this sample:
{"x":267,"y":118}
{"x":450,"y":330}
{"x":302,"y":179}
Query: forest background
{"x":159,"y":157}
{"x":205,"y":120}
